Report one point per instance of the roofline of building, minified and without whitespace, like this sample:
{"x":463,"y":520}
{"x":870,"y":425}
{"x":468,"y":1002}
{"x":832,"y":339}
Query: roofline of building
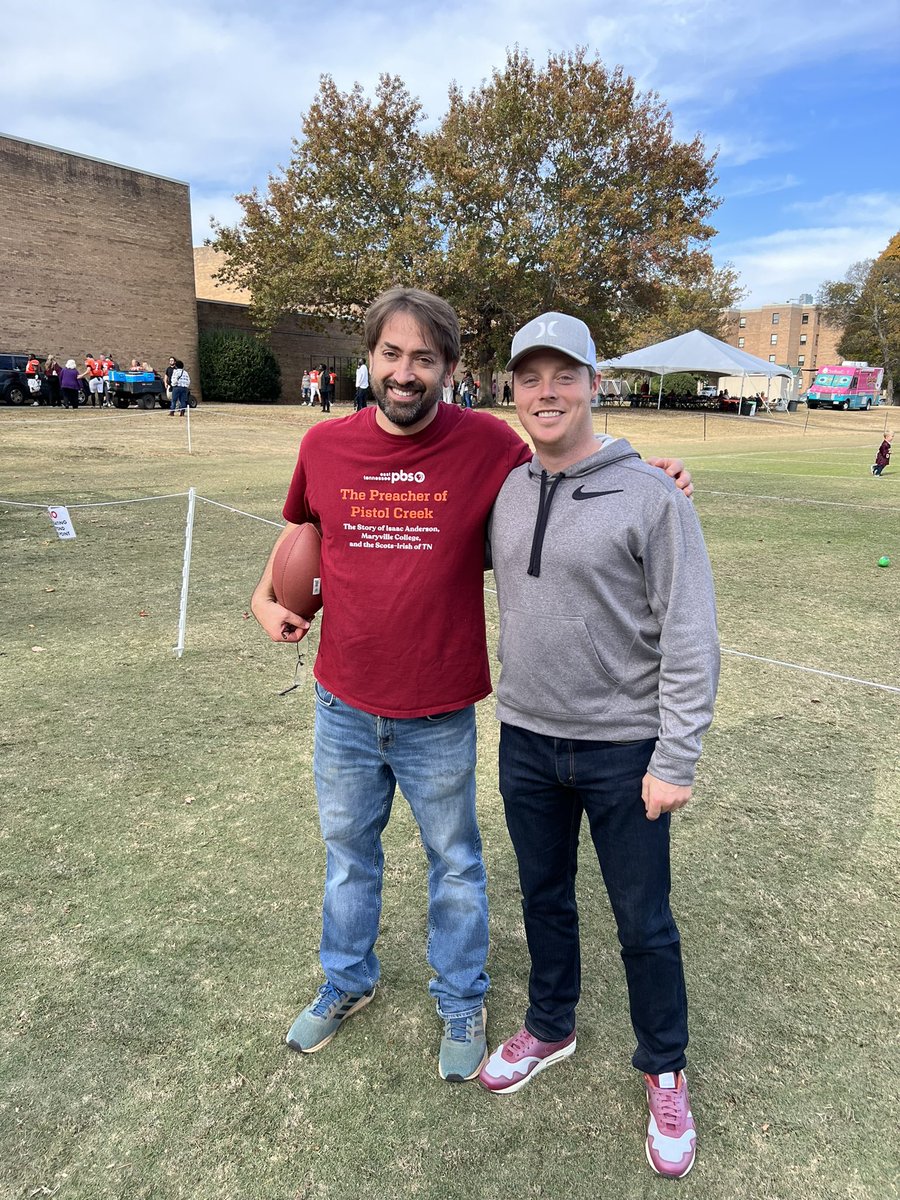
{"x":246,"y":304}
{"x":763,"y":307}
{"x":92,"y":158}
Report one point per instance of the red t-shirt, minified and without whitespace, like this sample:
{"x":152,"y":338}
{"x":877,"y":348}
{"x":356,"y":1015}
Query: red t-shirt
{"x":403,"y":527}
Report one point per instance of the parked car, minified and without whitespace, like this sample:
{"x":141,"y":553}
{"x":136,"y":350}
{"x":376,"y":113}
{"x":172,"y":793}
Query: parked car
{"x":14,"y":387}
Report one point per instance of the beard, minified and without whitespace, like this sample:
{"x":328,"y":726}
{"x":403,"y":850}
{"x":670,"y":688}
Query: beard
{"x":413,"y":410}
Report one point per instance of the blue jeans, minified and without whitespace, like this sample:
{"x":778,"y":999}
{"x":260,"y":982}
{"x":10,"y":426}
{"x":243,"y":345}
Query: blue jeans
{"x":547,"y":784}
{"x":179,"y":399}
{"x":359,"y":760}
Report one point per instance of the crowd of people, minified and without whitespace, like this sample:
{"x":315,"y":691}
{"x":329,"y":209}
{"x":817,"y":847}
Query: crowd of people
{"x":67,"y":385}
{"x":318,"y":386}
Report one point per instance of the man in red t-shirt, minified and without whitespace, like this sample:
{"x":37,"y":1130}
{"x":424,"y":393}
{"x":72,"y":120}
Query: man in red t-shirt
{"x":401,"y":493}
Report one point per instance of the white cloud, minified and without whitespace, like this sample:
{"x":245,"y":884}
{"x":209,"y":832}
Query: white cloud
{"x":212,"y":91}
{"x":763,"y":186}
{"x":780,"y":265}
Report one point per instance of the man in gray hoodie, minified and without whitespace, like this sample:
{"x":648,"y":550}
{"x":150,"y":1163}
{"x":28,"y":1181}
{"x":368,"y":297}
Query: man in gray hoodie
{"x":610,"y":661}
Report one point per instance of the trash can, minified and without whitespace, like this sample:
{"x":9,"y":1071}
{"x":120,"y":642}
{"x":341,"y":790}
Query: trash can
{"x":748,"y":408}
{"x":792,"y":405}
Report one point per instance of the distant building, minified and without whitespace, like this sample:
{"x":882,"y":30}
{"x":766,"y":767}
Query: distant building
{"x":295,"y":340}
{"x":94,"y":257}
{"x":791,"y":334}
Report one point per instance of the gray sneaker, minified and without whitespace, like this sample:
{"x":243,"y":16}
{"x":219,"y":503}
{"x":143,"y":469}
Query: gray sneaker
{"x":463,"y":1046}
{"x":320,"y":1020}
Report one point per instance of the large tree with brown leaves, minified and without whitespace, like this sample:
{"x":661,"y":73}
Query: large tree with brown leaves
{"x":553,"y":187}
{"x":865,"y":304}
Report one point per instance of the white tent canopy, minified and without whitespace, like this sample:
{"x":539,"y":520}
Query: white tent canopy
{"x":695,"y":351}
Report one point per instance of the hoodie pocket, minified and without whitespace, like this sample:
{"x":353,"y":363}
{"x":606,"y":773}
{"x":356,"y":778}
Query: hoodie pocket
{"x":550,"y":665}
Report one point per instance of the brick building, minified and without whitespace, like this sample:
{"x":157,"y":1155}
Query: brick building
{"x":295,"y":340}
{"x":94,"y":257}
{"x":792,"y":335}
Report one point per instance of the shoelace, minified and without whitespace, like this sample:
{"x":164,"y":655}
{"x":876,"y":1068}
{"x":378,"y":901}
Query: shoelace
{"x":518,"y":1044}
{"x":668,"y":1107}
{"x":328,"y":996}
{"x":458,"y":1028}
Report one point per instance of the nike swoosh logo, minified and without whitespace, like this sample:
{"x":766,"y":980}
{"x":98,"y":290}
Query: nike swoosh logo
{"x":581,"y":494}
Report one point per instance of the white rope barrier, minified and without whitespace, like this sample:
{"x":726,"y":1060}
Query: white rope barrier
{"x":241,"y":513}
{"x":97,"y":503}
{"x":777,"y":662}
{"x":803,"y":500}
{"x":188,"y":545}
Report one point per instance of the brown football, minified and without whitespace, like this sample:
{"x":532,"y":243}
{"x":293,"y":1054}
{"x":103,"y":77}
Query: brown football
{"x":296,"y":577}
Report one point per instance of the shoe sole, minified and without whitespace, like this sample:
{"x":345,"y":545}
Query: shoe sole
{"x":558,"y":1056}
{"x":361,"y":1003}
{"x":662,"y":1174}
{"x":454,"y":1078}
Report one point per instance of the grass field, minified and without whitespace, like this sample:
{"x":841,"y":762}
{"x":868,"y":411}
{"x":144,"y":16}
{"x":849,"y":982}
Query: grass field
{"x":162,"y":869}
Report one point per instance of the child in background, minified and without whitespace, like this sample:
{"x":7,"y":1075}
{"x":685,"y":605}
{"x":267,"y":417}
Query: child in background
{"x":883,"y":457}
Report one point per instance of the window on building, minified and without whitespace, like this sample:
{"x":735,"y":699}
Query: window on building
{"x":740,"y":343}
{"x":742,"y":322}
{"x":771,"y":358}
{"x":802,"y":339}
{"x":801,"y":359}
{"x":804,"y":320}
{"x":776,"y":317}
{"x":773,"y":340}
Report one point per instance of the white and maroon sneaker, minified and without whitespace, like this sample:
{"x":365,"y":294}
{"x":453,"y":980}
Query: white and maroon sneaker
{"x":671,"y":1136}
{"x":520,"y":1059}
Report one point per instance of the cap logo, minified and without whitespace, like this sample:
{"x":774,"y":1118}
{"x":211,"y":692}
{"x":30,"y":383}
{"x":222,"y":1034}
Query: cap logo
{"x":547,"y":328}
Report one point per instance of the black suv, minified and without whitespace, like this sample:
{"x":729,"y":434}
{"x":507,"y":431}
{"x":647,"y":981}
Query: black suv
{"x":14,"y":387}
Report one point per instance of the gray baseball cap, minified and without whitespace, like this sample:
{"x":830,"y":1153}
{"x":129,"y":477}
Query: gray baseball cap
{"x":555,"y":331}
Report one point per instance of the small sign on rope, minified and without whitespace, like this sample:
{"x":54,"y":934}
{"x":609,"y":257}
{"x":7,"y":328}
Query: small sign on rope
{"x":62,"y":522}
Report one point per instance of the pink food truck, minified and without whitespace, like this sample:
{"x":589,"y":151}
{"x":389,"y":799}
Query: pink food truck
{"x":849,"y":385}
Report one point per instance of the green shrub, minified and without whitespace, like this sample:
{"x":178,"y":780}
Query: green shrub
{"x":238,"y":367}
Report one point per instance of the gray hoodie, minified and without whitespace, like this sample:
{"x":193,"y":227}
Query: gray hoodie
{"x":607,"y":611}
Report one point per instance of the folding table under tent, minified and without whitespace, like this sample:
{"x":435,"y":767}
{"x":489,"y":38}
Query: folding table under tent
{"x":695,"y":351}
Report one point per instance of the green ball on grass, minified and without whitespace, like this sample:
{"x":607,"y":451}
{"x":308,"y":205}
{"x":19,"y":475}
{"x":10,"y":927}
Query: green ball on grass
{"x":884,"y":561}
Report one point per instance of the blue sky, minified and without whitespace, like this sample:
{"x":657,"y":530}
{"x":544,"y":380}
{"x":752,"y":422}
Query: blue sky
{"x":801,"y":100}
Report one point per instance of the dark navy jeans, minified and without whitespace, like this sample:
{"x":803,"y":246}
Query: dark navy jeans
{"x":547,"y":783}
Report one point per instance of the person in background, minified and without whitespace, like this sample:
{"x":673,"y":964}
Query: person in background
{"x":304,"y":389}
{"x":314,"y":386}
{"x":507,"y":392}
{"x":467,"y":389}
{"x":108,"y":363}
{"x":325,"y":387}
{"x":52,"y":370}
{"x":70,"y":384}
{"x":168,"y":378}
{"x":362,"y":386}
{"x":181,"y":382}
{"x":883,"y":457}
{"x":33,"y":379}
{"x":93,"y":373}
{"x":493,"y":389}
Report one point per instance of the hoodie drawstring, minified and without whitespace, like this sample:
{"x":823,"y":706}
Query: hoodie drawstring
{"x":543,"y":514}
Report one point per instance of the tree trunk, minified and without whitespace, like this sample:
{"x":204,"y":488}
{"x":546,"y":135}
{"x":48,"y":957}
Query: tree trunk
{"x":486,"y":375}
